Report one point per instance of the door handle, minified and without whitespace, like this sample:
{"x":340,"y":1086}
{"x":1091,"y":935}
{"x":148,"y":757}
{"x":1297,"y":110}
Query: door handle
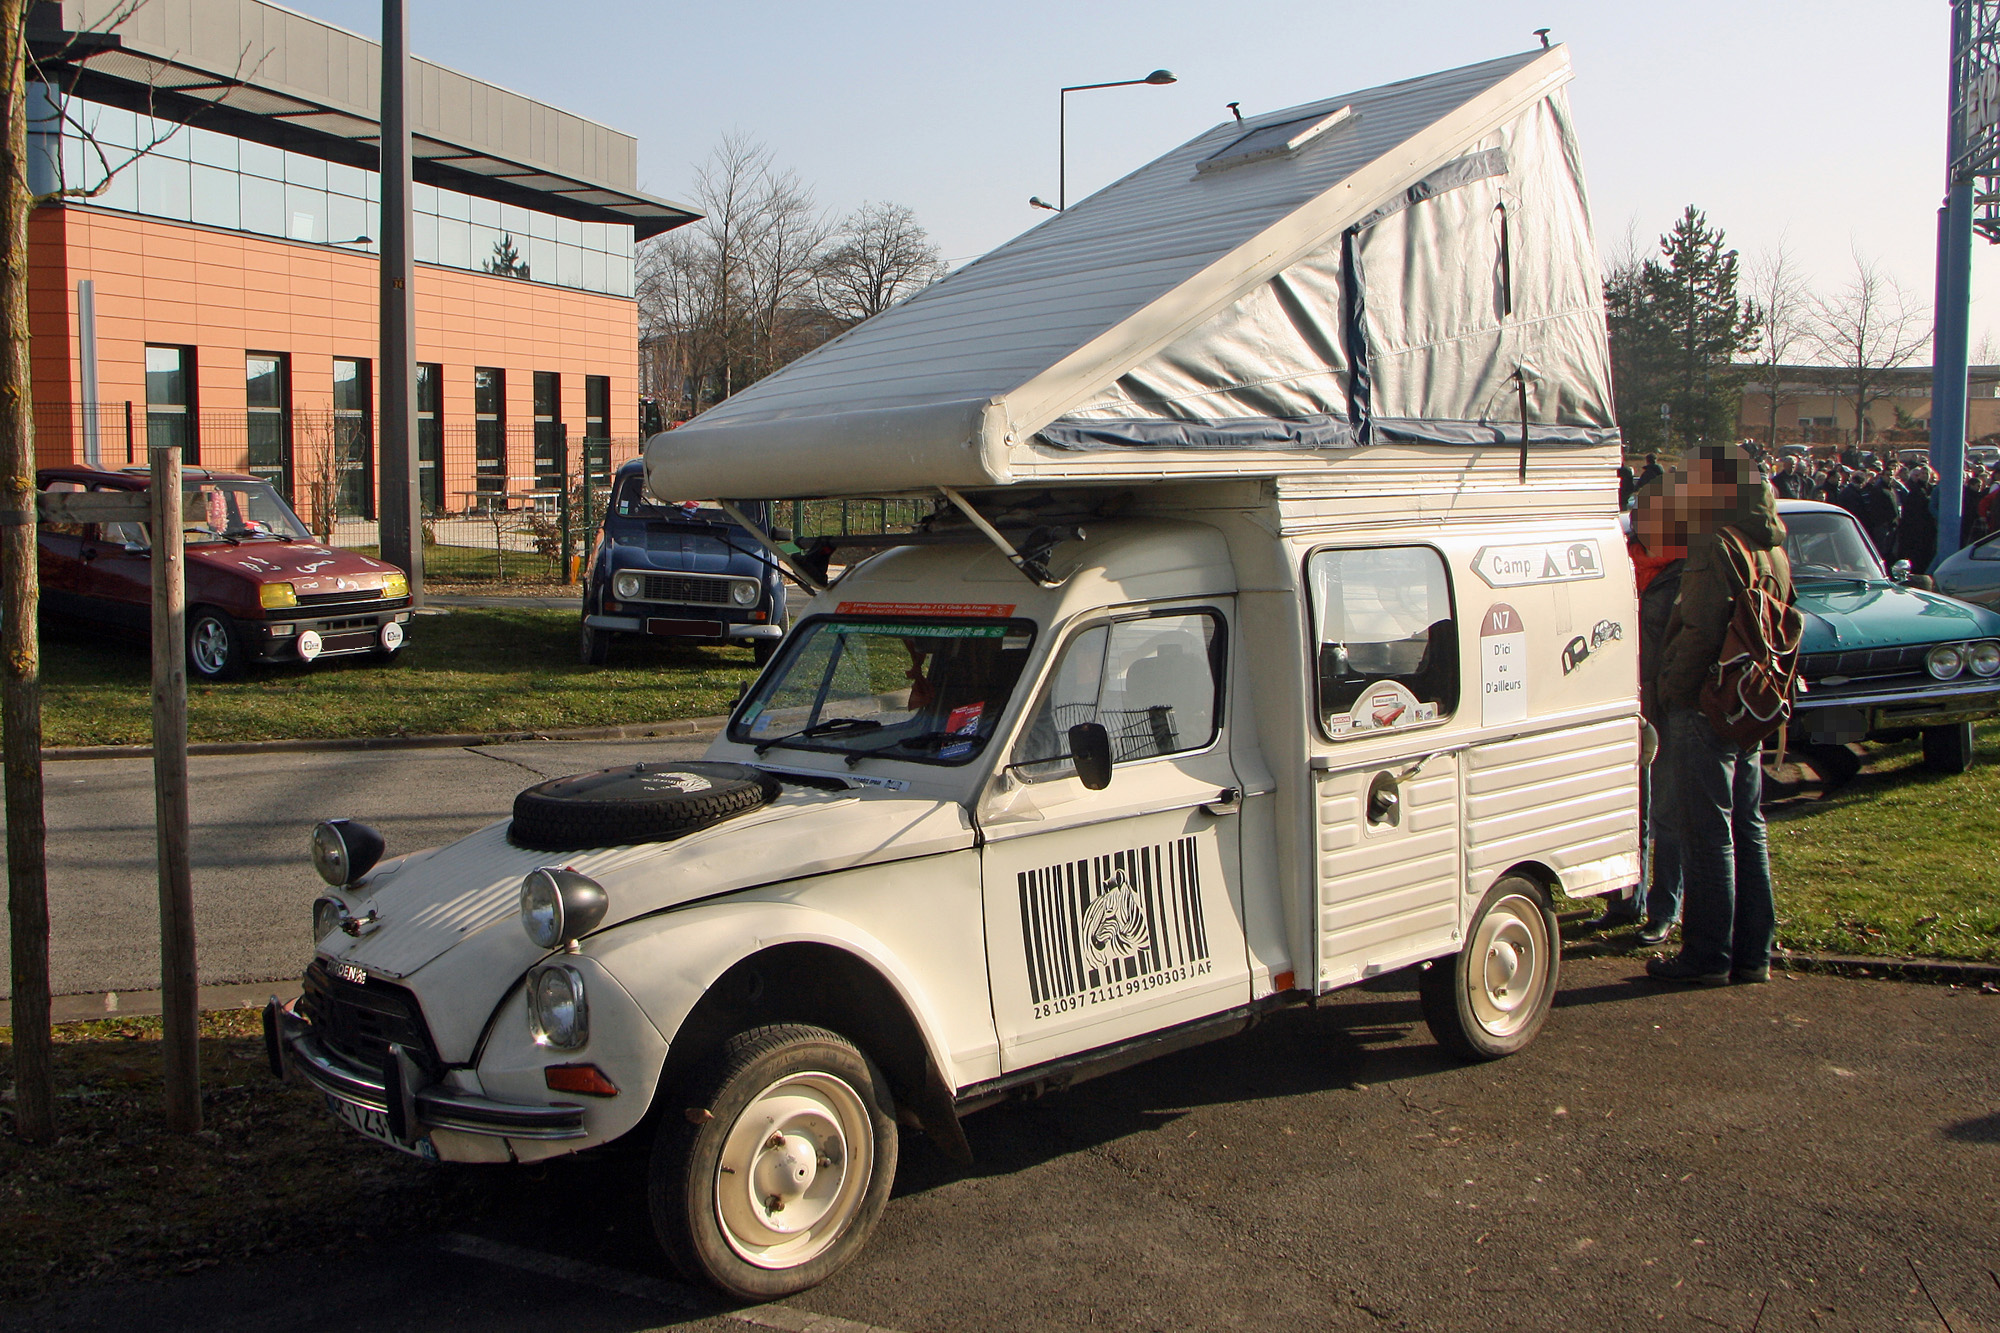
{"x":89,"y":554}
{"x":1228,"y":801}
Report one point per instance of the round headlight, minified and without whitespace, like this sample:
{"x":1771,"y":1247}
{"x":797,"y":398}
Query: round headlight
{"x":343,"y":851}
{"x":627,"y":587}
{"x":327,"y":913}
{"x":1984,"y":658}
{"x":558,"y":1014}
{"x":559,"y":905}
{"x":744,"y":593}
{"x":1945,"y":661}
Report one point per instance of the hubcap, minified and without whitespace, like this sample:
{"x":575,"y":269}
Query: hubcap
{"x":211,"y":646}
{"x":793,"y":1170}
{"x":1511,"y":947}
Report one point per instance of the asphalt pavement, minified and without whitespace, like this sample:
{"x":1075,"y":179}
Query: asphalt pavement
{"x":250,"y":818}
{"x":1818,"y":1153}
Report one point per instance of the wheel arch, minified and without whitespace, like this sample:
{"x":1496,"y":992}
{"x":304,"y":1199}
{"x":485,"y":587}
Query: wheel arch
{"x":1539,"y":873}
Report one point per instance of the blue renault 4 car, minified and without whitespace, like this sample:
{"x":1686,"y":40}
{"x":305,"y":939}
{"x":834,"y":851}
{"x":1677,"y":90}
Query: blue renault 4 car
{"x":679,"y":570}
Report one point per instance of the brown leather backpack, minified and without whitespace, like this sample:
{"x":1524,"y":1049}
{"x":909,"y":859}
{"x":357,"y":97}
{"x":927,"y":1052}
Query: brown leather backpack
{"x":1747,"y":694}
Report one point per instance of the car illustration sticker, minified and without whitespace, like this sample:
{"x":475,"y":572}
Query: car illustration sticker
{"x":1107,"y":927}
{"x":1503,"y":666}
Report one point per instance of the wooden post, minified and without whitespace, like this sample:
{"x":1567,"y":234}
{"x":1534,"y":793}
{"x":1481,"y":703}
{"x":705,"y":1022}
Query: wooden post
{"x":179,"y":1004}
{"x":20,"y":646}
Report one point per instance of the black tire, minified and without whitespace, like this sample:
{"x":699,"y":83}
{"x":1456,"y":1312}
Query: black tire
{"x":763,"y":650}
{"x":1837,"y":765}
{"x":1948,"y":749}
{"x":1478,"y":1003}
{"x":713,"y":1135}
{"x":214,"y":646}
{"x":636,"y":803}
{"x":595,"y":648}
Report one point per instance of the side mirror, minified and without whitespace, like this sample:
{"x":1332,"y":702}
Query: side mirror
{"x":781,"y":535}
{"x":1900,"y":571}
{"x":1090,"y":751}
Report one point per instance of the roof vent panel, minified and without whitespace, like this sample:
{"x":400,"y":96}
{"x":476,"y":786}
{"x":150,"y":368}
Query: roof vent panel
{"x":1271,"y":141}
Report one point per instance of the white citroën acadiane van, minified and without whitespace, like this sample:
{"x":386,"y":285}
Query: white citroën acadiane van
{"x":1273,"y":632}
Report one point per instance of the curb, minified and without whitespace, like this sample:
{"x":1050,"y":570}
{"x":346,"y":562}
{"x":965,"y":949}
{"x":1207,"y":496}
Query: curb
{"x":1932,"y":971}
{"x":687,"y":726}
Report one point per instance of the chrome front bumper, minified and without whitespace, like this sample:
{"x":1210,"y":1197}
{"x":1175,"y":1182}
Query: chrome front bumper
{"x":1850,"y":711}
{"x":637,"y":625}
{"x":412,"y":1103}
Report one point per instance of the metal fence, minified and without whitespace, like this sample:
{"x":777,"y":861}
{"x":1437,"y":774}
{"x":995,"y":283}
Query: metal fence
{"x":502,"y":501}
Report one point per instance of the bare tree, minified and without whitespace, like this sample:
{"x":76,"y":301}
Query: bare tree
{"x":1778,"y":287}
{"x":881,"y":255}
{"x":1869,"y":327}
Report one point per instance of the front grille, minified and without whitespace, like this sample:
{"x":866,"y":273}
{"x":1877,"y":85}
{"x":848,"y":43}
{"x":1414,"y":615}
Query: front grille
{"x":336,"y":598}
{"x":358,"y":1021}
{"x":685,"y":591}
{"x":1864,"y":662}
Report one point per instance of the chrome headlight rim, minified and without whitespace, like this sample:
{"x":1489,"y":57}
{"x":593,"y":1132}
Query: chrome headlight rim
{"x":343,"y":850}
{"x":745,"y":592}
{"x":557,"y":1030}
{"x":1945,"y":661}
{"x":1983,"y":658}
{"x":627,"y":587}
{"x":327,"y":914}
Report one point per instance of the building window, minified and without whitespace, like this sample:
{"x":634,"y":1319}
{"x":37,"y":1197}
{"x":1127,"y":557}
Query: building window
{"x":597,"y":429}
{"x":549,"y":461}
{"x":170,"y":400}
{"x":268,"y":396}
{"x":489,"y":413}
{"x":353,"y":459}
{"x":430,"y":438}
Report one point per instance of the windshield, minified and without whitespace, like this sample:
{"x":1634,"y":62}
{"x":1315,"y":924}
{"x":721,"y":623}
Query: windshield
{"x":229,"y":511}
{"x":631,"y":501}
{"x":1822,"y":544}
{"x":926,"y":691}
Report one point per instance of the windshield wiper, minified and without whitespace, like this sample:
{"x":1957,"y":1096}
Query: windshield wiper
{"x":827,"y":728}
{"x":235,"y":534}
{"x":929,"y":740}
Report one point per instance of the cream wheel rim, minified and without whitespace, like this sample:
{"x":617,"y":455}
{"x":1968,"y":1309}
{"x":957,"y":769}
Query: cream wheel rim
{"x":793,"y":1170}
{"x":1509,"y":965}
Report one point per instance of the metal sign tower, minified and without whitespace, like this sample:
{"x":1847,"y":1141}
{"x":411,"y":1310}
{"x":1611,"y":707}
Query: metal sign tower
{"x":1972,"y":202}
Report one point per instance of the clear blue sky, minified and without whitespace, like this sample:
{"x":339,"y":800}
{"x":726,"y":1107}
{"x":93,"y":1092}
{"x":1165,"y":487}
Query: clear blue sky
{"x":1819,"y":123}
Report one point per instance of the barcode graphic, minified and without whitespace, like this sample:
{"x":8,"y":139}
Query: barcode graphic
{"x":1104,"y":920}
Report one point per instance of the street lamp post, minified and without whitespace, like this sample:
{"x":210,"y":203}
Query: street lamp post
{"x":1158,"y":76}
{"x":400,"y":512}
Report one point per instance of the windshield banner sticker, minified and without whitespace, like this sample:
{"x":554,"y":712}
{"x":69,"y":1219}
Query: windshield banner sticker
{"x":1550,"y":562}
{"x":1111,"y":926}
{"x":924,"y":609}
{"x":1503,"y":666}
{"x":920,"y":631}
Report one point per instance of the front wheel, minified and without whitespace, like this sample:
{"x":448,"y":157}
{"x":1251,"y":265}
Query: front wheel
{"x":214,"y":648}
{"x":595,"y":648}
{"x":1490,"y":999}
{"x":1948,"y":749}
{"x":771,"y":1168}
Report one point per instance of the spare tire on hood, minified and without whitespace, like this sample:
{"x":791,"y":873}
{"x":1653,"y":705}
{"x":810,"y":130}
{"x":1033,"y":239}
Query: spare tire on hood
{"x":650,"y":802}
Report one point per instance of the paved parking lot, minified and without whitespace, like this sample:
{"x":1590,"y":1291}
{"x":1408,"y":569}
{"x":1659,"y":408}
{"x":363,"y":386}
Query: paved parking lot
{"x":1818,"y":1153}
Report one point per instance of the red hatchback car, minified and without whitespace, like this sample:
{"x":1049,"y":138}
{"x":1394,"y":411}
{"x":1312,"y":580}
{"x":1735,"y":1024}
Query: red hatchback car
{"x":259,"y":587}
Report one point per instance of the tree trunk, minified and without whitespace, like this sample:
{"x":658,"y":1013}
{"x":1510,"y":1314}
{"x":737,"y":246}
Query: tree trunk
{"x":20,"y":645}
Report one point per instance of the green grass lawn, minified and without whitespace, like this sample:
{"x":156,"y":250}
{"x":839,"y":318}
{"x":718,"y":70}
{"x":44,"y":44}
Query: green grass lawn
{"x":1899,"y":862}
{"x":467,"y":671}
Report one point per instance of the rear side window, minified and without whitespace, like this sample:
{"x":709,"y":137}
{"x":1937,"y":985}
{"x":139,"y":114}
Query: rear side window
{"x":1154,"y":683}
{"x":1386,"y":646}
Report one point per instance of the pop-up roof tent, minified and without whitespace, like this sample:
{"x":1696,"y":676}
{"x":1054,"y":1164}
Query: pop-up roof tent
{"x":1382,"y":267}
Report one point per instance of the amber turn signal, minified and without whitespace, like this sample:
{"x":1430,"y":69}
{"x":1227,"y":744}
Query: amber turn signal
{"x":586,"y":1079}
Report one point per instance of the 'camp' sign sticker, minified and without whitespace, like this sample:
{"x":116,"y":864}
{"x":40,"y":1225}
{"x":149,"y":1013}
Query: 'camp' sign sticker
{"x":1503,"y":666}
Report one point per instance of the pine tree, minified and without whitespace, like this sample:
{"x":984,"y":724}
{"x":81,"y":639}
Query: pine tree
{"x":1677,"y":329}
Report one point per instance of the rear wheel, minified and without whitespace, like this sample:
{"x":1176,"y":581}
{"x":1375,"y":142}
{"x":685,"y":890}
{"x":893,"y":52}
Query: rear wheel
{"x":1948,"y":749}
{"x":1490,"y":1000}
{"x":771,"y":1168}
{"x":214,"y":648}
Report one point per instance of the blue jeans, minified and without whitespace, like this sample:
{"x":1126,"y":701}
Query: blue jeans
{"x":1659,"y":833}
{"x":1728,"y":916}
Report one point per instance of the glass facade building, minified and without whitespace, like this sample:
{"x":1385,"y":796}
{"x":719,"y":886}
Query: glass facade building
{"x":186,"y":173}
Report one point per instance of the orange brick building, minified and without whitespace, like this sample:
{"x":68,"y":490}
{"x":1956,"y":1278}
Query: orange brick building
{"x":221,"y":289}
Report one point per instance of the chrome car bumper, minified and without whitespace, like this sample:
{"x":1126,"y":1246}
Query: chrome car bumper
{"x":1847,"y":709}
{"x":412,"y":1104}
{"x":637,"y":625}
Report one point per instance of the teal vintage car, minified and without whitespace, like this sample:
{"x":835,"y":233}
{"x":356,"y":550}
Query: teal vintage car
{"x":1884,"y":658}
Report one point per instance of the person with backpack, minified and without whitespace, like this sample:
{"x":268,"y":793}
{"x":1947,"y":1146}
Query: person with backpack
{"x":1727,"y":671}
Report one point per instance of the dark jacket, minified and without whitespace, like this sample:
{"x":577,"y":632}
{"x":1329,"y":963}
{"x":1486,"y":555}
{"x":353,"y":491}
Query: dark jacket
{"x":1656,"y":611}
{"x":1708,"y":591}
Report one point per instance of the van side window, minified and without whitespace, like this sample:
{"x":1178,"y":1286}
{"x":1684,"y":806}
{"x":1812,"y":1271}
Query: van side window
{"x":1154,"y":683}
{"x":1382,"y":617}
{"x":63,"y":529}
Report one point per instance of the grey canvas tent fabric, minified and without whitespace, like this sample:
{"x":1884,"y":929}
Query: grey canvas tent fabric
{"x":1385,"y":279}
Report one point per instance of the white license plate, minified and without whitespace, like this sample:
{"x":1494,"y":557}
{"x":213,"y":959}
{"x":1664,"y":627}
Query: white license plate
{"x":375,"y":1124}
